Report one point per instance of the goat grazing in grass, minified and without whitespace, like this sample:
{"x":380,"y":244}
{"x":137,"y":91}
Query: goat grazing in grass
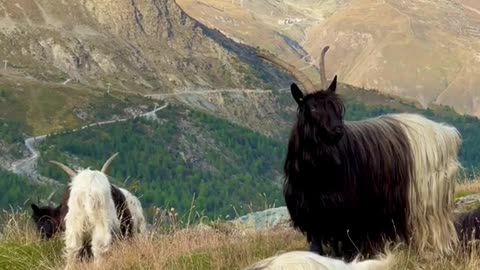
{"x":48,"y":219}
{"x":304,"y":260}
{"x":357,"y":185}
{"x":98,"y":207}
{"x":91,"y":215}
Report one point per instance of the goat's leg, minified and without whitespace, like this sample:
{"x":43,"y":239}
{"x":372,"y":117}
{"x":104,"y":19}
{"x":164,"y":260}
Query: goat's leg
{"x":73,"y":245}
{"x":101,"y":240}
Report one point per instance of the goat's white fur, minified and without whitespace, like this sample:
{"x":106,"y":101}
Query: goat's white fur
{"x":91,"y":215}
{"x":435,"y":148}
{"x":136,"y":210}
{"x":305,"y":260}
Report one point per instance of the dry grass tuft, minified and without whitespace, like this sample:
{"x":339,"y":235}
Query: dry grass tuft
{"x":467,"y":188}
{"x":208,"y":247}
{"x":200,"y":249}
{"x":213,"y":246}
{"x":174,"y":245}
{"x":462,"y":260}
{"x":21,"y":247}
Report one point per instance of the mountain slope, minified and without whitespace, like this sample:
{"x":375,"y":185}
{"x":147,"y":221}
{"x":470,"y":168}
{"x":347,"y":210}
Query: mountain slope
{"x":180,"y":155}
{"x":213,"y":143}
{"x":137,"y":45}
{"x":427,"y":51}
{"x":63,"y":56}
{"x":185,"y":153}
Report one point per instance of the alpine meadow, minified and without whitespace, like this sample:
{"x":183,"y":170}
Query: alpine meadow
{"x":179,"y":134}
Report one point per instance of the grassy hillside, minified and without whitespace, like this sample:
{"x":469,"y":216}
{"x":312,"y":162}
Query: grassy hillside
{"x":137,"y":46}
{"x":188,"y":156}
{"x":40,"y":107}
{"x":11,"y":139}
{"x":18,"y":191}
{"x":183,"y":154}
{"x":213,"y":246}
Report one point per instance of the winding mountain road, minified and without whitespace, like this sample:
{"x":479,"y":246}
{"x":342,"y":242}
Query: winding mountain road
{"x":26,"y":166}
{"x":203,"y":92}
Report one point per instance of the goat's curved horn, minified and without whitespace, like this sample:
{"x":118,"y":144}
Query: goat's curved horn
{"x":323,"y":73}
{"x":49,"y":198}
{"x":108,"y":162}
{"x":26,"y":201}
{"x":303,"y":80}
{"x":65,"y":168}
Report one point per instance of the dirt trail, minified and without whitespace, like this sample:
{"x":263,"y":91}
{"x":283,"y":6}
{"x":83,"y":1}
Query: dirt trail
{"x":27,"y":165}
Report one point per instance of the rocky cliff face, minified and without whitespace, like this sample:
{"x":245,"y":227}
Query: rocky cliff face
{"x":137,"y":45}
{"x":426,"y":50}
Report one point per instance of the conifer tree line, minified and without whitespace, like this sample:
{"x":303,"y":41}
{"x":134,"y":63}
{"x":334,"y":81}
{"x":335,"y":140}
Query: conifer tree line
{"x":188,"y":155}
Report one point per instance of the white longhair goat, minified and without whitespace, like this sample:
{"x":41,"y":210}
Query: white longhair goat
{"x":92,"y":215}
{"x":306,"y":260}
{"x":51,"y":219}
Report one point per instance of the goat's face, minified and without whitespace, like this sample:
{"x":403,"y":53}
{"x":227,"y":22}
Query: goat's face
{"x":321,"y":113}
{"x":47,"y":220}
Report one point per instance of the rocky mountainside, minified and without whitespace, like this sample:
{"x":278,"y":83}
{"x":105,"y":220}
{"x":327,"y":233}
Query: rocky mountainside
{"x":71,"y":64}
{"x":136,"y":45}
{"x":426,"y":51}
{"x":62,"y":56}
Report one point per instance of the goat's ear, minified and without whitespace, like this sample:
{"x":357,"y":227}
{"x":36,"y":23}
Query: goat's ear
{"x":296,"y":93}
{"x":333,"y":85}
{"x":35,"y":208}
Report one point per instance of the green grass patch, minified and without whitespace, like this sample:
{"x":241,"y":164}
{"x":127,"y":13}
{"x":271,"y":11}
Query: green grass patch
{"x":30,"y":255}
{"x":195,"y":261}
{"x":16,"y":190}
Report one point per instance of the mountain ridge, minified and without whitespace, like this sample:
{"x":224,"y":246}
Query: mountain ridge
{"x":62,"y":57}
{"x":426,"y":51}
{"x":99,"y":41}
